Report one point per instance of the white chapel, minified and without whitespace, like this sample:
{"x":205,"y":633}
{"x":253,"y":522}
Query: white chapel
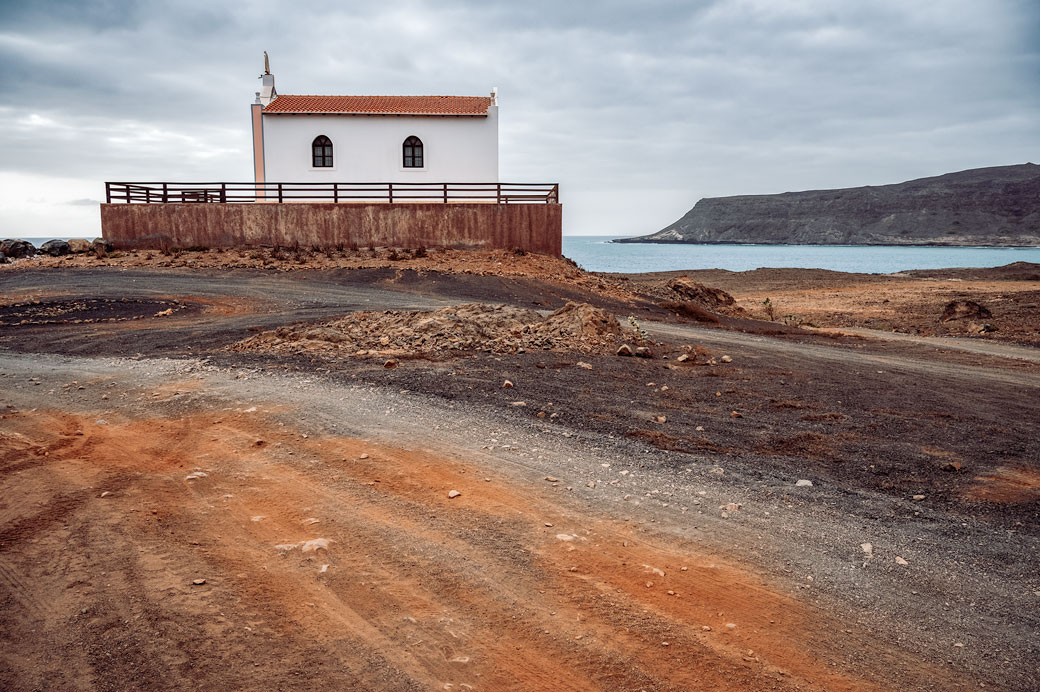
{"x":390,"y":139}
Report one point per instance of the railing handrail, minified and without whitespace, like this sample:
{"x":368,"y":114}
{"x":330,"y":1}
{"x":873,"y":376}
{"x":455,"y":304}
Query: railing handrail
{"x":247,"y":192}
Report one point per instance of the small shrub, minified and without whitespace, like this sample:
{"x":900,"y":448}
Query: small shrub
{"x":770,"y":309}
{"x":638,"y":333}
{"x":420,"y":252}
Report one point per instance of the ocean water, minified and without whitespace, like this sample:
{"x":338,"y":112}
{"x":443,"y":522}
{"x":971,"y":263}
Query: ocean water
{"x":597,"y":253}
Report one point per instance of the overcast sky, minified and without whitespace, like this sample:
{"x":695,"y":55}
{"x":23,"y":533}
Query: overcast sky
{"x":638,"y":109}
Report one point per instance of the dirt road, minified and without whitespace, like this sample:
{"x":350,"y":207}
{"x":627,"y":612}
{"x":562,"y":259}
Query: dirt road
{"x":313,"y":499}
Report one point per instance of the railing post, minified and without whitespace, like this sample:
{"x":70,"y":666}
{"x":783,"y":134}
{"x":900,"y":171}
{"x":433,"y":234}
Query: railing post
{"x":165,"y":193}
{"x":445,"y":193}
{"x":108,"y":193}
{"x":498,"y":193}
{"x":279,"y":193}
{"x":223,"y":193}
{"x":390,"y":191}
{"x":148,"y":195}
{"x":335,"y":192}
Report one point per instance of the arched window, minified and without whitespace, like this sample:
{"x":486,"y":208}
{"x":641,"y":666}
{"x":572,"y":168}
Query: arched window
{"x":413,"y":153}
{"x":321,"y":152}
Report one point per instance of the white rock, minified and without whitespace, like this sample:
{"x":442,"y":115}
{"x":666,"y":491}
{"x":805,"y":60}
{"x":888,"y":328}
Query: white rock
{"x":803,"y":483}
{"x":452,"y":494}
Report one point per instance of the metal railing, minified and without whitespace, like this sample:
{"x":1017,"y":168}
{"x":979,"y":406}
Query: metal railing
{"x":391,"y":193}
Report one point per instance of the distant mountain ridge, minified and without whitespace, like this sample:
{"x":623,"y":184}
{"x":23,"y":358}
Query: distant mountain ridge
{"x":982,"y":206}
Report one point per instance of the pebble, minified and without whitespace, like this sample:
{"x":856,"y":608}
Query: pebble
{"x":726,"y":359}
{"x":584,"y":365}
{"x":507,"y":385}
{"x":682,"y":359}
{"x":901,"y":561}
{"x":803,"y":483}
{"x":705,"y":628}
{"x":552,"y":479}
{"x":918,"y":497}
{"x":363,"y":456}
{"x":660,"y":419}
{"x":452,"y":494}
{"x":198,"y":582}
{"x":735,"y":414}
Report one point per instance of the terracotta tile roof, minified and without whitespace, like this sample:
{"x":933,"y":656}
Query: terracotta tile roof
{"x":380,"y":105}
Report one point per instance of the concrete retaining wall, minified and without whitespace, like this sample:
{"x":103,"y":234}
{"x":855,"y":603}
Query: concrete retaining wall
{"x":532,"y":227}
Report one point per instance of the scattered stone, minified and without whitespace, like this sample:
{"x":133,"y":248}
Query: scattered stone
{"x":803,"y":483}
{"x":363,"y":456}
{"x":726,"y":359}
{"x":918,"y":497}
{"x":55,"y":248}
{"x":452,"y":494}
{"x":390,"y":364}
{"x":507,"y":385}
{"x":624,"y":350}
{"x":164,"y":313}
{"x":959,"y":645}
{"x":735,"y":414}
{"x":548,"y":525}
{"x":683,"y":358}
{"x":584,"y":365}
{"x":314,"y":545}
{"x":660,"y":419}
{"x":665,"y":388}
{"x":198,"y":582}
{"x":901,"y":561}
{"x":522,"y":404}
{"x":706,"y":628}
{"x":731,"y":626}
{"x":699,"y":428}
{"x":643,"y":352}
{"x":649,"y":585}
{"x":868,"y":549}
{"x":105,"y":494}
{"x":552,"y":479}
{"x":953,"y":466}
{"x":101,"y":245}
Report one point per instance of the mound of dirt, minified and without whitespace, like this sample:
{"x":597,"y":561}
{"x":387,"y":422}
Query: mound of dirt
{"x":467,"y":327}
{"x":687,"y":289}
{"x":965,"y":309}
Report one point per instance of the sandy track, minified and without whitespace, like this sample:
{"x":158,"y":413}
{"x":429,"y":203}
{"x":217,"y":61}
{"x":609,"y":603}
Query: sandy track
{"x":406,"y":589}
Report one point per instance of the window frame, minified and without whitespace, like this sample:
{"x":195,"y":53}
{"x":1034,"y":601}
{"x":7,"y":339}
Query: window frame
{"x":413,"y":149}
{"x":322,"y":153}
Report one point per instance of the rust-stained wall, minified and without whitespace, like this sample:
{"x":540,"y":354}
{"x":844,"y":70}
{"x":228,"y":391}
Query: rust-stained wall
{"x":533,"y":227}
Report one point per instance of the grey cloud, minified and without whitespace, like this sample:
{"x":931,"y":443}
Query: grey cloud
{"x":622,"y":102}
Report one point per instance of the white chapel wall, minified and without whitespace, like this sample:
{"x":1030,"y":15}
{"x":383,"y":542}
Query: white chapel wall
{"x":368,"y":148}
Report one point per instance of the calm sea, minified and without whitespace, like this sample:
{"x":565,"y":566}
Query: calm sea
{"x":597,"y":253}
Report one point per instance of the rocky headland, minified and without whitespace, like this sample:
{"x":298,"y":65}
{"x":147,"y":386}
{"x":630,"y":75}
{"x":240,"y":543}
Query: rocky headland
{"x":998,"y":206}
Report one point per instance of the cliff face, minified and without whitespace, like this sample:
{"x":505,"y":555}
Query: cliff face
{"x":983,"y":206}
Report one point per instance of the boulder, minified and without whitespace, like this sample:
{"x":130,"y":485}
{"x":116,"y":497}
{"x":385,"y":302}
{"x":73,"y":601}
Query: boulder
{"x":964,"y":309}
{"x":79,"y":245}
{"x":3,"y":258}
{"x":102,"y":244}
{"x":16,"y":249}
{"x":643,"y":352}
{"x":624,"y":350}
{"x":55,"y":248}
